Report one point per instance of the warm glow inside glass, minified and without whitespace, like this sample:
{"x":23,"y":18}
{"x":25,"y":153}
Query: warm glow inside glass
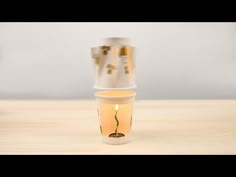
{"x":115,"y":110}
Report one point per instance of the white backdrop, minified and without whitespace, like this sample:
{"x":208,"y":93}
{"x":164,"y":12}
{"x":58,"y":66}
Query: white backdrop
{"x":173,"y":60}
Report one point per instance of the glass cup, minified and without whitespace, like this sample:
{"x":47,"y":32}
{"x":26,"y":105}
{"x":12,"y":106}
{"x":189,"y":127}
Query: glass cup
{"x":115,"y":109}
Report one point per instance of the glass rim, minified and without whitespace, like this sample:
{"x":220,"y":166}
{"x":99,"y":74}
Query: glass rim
{"x":115,"y":94}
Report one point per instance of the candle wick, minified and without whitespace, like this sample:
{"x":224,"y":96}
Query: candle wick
{"x":117,"y":122}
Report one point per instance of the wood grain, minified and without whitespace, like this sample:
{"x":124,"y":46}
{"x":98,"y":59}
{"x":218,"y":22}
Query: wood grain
{"x":159,"y":127}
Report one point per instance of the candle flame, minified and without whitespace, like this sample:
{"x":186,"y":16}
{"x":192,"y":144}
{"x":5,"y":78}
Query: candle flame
{"x":116,"y":107}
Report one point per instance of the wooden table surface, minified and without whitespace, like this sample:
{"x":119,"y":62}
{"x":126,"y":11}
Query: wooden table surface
{"x":159,"y":127}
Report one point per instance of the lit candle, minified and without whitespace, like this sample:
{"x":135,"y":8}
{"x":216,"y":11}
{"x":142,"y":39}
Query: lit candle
{"x":115,"y":115}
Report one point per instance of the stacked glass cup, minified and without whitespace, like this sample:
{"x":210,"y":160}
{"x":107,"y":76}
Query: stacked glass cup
{"x":114,"y":68}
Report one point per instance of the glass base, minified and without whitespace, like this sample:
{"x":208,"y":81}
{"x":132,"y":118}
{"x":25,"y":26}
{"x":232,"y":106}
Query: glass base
{"x":115,"y":140}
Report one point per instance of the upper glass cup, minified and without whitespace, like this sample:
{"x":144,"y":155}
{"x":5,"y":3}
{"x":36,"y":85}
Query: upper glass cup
{"x":114,"y":64}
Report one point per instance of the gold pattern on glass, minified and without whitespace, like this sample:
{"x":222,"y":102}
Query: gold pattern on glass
{"x":131,"y":121}
{"x":98,"y":112}
{"x":97,"y":60}
{"x":101,"y":129}
{"x":123,"y":52}
{"x":95,"y":55}
{"x":130,"y":61}
{"x":115,"y":52}
{"x":110,"y":68}
{"x":126,"y":70}
{"x":109,"y":71}
{"x":105,"y":49}
{"x":104,"y":52}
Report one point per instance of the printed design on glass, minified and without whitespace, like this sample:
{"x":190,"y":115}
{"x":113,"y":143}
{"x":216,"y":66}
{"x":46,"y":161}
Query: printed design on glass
{"x":98,"y":112}
{"x":105,"y":49}
{"x":114,"y":66}
{"x":126,"y":68}
{"x":100,"y":122}
{"x":110,"y":68}
{"x":97,"y":60}
{"x":101,"y":129}
{"x":116,"y":134}
{"x":95,"y":55}
{"x":131,"y":121}
{"x":123,"y":52}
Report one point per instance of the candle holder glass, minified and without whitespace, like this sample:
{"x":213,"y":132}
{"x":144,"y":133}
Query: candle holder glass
{"x":115,"y":110}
